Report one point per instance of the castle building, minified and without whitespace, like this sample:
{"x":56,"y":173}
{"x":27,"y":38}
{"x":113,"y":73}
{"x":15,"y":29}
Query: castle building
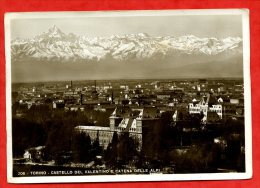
{"x":208,"y":105}
{"x":122,"y":120}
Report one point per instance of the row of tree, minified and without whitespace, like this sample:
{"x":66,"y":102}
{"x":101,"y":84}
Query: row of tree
{"x":41,"y":126}
{"x":123,"y":150}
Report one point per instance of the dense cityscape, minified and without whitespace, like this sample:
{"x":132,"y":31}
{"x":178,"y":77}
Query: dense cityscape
{"x":128,"y":127}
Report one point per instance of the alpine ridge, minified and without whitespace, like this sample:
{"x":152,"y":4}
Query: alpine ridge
{"x":55,"y":45}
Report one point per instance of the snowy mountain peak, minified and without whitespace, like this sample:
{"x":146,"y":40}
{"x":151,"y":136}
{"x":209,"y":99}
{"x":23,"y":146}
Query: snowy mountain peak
{"x":58,"y":46}
{"x":54,"y":28}
{"x":55,"y":32}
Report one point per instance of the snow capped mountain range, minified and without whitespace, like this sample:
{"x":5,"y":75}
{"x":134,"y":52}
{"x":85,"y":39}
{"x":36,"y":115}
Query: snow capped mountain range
{"x":55,"y":45}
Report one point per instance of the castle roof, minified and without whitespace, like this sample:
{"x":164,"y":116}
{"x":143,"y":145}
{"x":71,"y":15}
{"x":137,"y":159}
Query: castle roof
{"x":94,"y":128}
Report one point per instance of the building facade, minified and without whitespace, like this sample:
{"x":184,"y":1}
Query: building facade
{"x":122,"y":120}
{"x":207,"y":105}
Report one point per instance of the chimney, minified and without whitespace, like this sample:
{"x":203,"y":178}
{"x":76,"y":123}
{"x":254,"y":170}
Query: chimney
{"x":112,"y":96}
{"x":81,"y":99}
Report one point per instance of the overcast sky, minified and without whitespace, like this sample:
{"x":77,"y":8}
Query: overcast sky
{"x":219,"y":26}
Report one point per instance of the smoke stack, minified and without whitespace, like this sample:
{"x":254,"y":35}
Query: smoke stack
{"x":112,"y":96}
{"x":81,"y":99}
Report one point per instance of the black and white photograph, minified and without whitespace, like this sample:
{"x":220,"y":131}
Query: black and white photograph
{"x":112,"y":96}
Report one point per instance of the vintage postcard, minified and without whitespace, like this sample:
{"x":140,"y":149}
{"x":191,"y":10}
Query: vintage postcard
{"x":115,"y":96}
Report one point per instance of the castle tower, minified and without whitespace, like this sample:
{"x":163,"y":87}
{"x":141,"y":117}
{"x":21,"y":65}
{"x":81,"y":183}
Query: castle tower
{"x":139,"y":122}
{"x":112,"y":121}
